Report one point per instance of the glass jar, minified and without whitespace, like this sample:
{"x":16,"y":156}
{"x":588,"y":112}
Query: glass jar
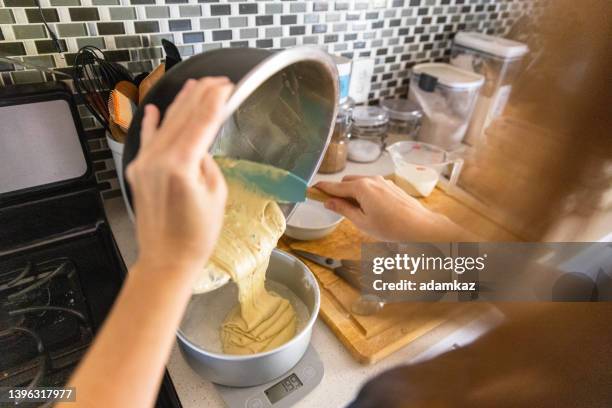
{"x":404,"y":119}
{"x":335,"y":157}
{"x":368,"y":134}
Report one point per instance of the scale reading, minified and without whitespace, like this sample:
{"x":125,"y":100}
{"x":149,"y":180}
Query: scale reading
{"x":284,"y":387}
{"x":282,"y":392}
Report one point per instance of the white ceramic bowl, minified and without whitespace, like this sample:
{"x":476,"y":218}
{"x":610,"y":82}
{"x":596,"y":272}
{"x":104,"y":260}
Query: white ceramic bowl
{"x":311,"y":220}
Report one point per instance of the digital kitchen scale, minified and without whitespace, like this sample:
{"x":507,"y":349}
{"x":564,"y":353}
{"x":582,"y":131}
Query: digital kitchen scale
{"x":281,"y":392}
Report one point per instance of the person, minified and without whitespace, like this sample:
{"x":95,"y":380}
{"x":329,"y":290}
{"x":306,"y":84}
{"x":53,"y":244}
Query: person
{"x":545,"y":354}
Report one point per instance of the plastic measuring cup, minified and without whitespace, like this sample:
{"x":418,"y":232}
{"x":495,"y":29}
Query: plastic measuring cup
{"x":409,"y":155}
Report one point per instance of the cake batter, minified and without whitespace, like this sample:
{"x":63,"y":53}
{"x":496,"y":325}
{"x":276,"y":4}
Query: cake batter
{"x":252,"y":226}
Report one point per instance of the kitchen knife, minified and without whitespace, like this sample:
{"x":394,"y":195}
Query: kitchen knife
{"x":348,"y":270}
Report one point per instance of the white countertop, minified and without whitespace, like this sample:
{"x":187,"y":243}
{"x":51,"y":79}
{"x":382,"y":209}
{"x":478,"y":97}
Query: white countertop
{"x":343,"y":376}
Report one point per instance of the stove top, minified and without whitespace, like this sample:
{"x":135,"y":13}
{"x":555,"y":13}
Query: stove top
{"x":44,"y":323}
{"x":60,"y":269}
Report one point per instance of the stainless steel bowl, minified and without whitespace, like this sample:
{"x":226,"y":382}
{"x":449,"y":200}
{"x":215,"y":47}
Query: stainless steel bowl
{"x":254,"y":369}
{"x":281,"y":112}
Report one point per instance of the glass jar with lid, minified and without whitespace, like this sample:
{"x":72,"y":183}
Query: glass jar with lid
{"x":336,"y":154}
{"x":368,"y":134}
{"x":404,"y":119}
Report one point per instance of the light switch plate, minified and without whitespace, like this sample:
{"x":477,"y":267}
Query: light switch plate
{"x":361,"y":79}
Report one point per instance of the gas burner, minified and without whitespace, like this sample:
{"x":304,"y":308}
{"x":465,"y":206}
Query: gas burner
{"x":42,"y":318}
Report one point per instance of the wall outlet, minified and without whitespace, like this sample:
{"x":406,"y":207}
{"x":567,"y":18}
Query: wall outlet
{"x":361,"y":77}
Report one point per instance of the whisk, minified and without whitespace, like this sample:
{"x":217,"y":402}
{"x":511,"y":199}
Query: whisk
{"x":94,"y":77}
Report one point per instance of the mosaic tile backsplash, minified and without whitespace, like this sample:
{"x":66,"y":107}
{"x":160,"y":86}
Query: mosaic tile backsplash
{"x":395,"y":33}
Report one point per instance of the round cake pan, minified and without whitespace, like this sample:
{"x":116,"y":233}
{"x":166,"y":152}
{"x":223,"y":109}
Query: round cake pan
{"x":255,"y":369}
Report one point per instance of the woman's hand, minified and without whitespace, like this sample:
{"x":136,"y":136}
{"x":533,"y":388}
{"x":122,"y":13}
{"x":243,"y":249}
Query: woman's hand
{"x":178,"y":190}
{"x":381,"y":209}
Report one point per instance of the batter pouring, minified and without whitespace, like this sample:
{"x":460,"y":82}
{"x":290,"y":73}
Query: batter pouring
{"x":252,"y":225}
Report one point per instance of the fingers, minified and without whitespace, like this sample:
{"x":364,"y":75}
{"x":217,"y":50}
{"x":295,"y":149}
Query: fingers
{"x":213,"y":177}
{"x":344,"y":208}
{"x":353,"y":177}
{"x":346,"y":189}
{"x":205,"y":125}
{"x":149,"y":124}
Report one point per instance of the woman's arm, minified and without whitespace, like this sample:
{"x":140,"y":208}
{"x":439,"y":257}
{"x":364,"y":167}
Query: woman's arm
{"x":381,"y":209}
{"x":179,"y":196}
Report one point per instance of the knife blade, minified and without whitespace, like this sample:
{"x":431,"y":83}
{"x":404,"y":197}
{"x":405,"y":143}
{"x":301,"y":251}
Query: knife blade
{"x":347,"y":269}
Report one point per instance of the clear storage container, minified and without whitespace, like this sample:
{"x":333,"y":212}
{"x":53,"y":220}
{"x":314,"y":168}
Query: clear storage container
{"x":368,"y":134}
{"x":404,"y":119}
{"x":447,"y":95}
{"x":336,"y":154}
{"x":500,"y":61}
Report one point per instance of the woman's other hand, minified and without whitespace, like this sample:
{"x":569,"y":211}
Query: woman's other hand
{"x":179,"y":191}
{"x":381,"y":209}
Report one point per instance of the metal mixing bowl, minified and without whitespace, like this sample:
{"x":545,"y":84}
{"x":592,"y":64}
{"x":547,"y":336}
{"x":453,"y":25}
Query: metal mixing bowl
{"x":254,"y":369}
{"x":281,"y":112}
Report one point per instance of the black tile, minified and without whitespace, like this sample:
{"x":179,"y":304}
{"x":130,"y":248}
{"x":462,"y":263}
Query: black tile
{"x":319,"y":6}
{"x":330,"y":38}
{"x":239,"y":44}
{"x":5,"y":67}
{"x":419,"y":30}
{"x":297,"y":30}
{"x":111,"y":28}
{"x":208,"y":1}
{"x":403,"y":31}
{"x":47,"y":46}
{"x":221,"y":35}
{"x":220,"y":10}
{"x":423,"y":11}
{"x":319,"y":28}
{"x":50,"y":15}
{"x":12,"y":48}
{"x":84,"y":14}
{"x":6,"y":78}
{"x":19,"y":3}
{"x":415,"y":2}
{"x":426,"y":20}
{"x":378,"y":24}
{"x":101,"y":155}
{"x":395,"y":22}
{"x":176,"y":1}
{"x":179,"y":25}
{"x":264,"y":43}
{"x":189,"y":38}
{"x":289,"y":19}
{"x":247,"y":8}
{"x":264,"y":20}
{"x":382,"y":51}
{"x":350,"y":37}
{"x":146,"y":27}
{"x":348,"y":55}
{"x":117,"y":55}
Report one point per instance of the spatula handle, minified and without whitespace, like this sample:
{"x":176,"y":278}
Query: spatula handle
{"x":318,"y":195}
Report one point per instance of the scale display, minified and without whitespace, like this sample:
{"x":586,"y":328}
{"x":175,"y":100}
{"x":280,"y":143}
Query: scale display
{"x":282,"y":388}
{"x":282,"y":392}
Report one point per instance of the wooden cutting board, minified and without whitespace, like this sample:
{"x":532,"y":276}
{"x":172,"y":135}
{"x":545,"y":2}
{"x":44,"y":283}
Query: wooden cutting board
{"x":371,"y":338}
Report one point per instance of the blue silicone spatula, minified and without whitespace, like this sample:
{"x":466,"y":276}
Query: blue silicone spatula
{"x":279,"y":184}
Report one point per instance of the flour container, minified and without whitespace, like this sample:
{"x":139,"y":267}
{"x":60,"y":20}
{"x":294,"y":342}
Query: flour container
{"x":500,"y":61}
{"x":447,"y":95}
